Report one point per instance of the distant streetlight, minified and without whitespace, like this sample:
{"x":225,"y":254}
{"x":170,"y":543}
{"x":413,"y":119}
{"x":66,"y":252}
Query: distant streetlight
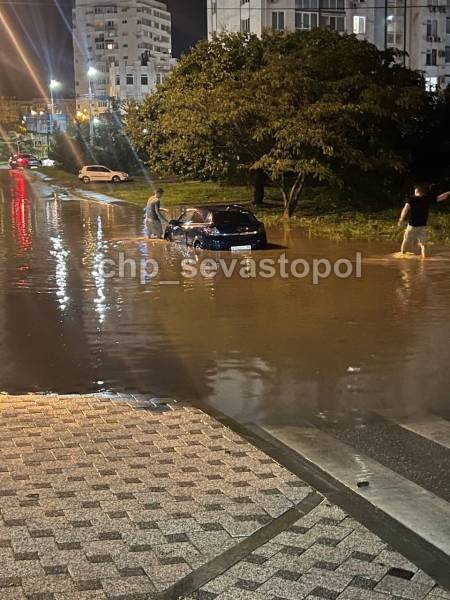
{"x":92,"y":73}
{"x":53,"y":86}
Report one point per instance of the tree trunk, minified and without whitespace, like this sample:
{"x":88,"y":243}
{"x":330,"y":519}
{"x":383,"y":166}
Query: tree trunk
{"x":259,"y":187}
{"x":291,"y":199}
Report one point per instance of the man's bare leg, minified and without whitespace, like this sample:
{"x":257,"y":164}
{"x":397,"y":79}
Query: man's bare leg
{"x":404,"y":244}
{"x":423,"y":250}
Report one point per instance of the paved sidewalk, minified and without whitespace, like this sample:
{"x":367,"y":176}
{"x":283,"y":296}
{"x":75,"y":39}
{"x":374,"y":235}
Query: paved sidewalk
{"x":112,"y":497}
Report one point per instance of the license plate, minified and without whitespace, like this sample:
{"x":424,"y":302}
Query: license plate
{"x":240,"y":248}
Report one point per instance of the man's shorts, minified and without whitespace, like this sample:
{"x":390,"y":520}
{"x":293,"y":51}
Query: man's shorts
{"x":415,"y":235}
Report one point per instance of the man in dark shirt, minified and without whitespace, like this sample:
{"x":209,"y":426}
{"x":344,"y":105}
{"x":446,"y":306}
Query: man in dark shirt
{"x":415,"y":213}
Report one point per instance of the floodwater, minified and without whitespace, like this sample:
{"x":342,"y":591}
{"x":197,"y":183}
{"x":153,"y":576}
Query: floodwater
{"x":261,"y":350}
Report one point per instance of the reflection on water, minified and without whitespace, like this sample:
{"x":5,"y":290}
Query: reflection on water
{"x":259,"y":349}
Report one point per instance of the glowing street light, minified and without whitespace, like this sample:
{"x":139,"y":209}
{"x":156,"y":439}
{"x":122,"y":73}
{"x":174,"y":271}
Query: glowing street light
{"x":54,"y":86}
{"x":91,"y":74}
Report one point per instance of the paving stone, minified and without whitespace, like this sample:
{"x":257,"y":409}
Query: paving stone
{"x":129,"y":588}
{"x":12,"y":594}
{"x":102,"y":497}
{"x":291,"y":590}
{"x":403,"y":588}
{"x":373,"y":570}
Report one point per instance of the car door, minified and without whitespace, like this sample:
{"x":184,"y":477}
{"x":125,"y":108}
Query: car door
{"x":194,"y":228}
{"x":179,"y":231}
{"x":91,"y":172}
{"x":103,"y":174}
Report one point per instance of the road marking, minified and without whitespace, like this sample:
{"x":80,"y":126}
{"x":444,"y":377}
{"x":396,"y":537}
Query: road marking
{"x":409,"y":504}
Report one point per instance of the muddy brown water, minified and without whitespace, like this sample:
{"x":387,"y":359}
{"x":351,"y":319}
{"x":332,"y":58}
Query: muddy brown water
{"x":258,"y":349}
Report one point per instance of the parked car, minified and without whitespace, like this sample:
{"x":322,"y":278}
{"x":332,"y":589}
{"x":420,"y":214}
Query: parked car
{"x":24,"y":161}
{"x":229,"y":227}
{"x":93,"y":173}
{"x":48,"y":162}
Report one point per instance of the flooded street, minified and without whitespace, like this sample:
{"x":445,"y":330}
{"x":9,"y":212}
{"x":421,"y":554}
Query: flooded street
{"x":260,"y":350}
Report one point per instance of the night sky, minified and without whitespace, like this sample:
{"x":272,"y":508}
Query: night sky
{"x":44,"y":33}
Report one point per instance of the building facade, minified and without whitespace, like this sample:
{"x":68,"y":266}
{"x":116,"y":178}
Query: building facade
{"x":422,"y":29}
{"x":109,"y":37}
{"x":136,"y":81}
{"x":10,"y":113}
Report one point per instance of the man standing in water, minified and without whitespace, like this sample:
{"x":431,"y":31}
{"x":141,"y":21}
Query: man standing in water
{"x":415,"y":213}
{"x":156,"y":221}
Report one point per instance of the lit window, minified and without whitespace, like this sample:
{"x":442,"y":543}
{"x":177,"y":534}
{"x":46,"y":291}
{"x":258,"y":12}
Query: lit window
{"x":359,"y":25}
{"x":431,"y":83}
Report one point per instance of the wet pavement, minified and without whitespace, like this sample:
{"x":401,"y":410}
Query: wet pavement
{"x":258,"y":349}
{"x":353,"y":358}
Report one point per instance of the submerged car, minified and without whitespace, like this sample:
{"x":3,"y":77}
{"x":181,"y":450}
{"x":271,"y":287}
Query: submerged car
{"x":93,"y":173}
{"x":230,"y":227}
{"x":24,"y":161}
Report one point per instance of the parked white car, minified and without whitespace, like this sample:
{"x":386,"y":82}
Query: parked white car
{"x":48,"y":162}
{"x":93,"y":173}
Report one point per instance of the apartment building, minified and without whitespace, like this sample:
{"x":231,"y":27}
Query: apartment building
{"x":110,"y":40}
{"x":419,"y":27}
{"x":10,"y":113}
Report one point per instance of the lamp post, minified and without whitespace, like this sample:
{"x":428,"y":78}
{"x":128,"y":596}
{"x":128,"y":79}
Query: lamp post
{"x":53,"y":86}
{"x":92,"y":72}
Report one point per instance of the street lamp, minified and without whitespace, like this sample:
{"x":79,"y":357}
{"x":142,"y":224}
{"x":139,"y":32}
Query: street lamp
{"x":54,"y":86}
{"x":92,"y":72}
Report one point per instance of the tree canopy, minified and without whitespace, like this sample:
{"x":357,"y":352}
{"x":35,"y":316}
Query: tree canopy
{"x":288,"y":107}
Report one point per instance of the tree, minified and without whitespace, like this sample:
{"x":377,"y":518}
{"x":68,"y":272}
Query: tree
{"x":111,"y":146}
{"x":286,"y":108}
{"x":70,"y":148}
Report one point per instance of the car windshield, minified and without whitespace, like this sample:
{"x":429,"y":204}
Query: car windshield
{"x":233,"y":218}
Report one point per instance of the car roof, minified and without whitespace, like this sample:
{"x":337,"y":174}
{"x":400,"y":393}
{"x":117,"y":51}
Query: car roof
{"x":216,"y":208}
{"x":90,"y":166}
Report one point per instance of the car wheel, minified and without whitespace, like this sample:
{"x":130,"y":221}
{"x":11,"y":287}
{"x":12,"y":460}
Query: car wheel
{"x":86,"y":180}
{"x":115,"y":179}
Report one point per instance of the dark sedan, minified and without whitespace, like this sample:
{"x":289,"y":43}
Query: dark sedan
{"x":218,"y":228}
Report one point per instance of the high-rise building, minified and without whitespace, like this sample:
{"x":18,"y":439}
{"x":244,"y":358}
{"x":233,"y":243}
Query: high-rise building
{"x":421,"y":28}
{"x":110,"y":39}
